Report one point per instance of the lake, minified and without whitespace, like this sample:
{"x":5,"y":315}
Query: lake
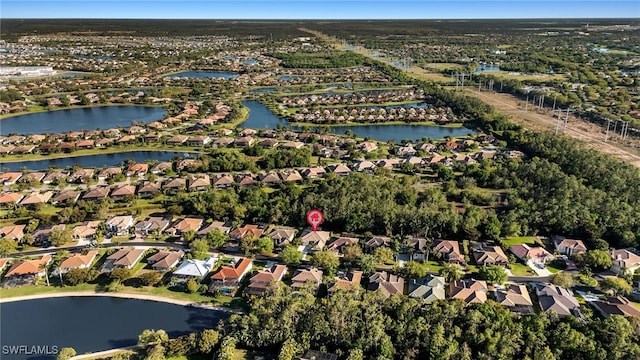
{"x":200,"y":74}
{"x":99,"y":160}
{"x":102,"y":117}
{"x":94,"y":323}
{"x":260,"y":117}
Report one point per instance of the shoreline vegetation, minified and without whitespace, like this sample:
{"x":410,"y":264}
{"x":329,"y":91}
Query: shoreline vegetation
{"x":387,"y":123}
{"x":71,"y":107}
{"x":96,"y":151}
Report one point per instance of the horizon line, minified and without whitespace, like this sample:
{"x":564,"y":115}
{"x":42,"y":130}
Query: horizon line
{"x":327,"y":19}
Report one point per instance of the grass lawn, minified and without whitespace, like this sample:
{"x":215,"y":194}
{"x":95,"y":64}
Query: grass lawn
{"x":516,"y":240}
{"x":636,"y":304}
{"x":433,"y":266}
{"x":242,"y":354}
{"x":34,"y":289}
{"x":518,"y":269}
{"x":553,"y":268}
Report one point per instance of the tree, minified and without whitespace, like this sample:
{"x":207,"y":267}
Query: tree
{"x":451,"y":272}
{"x":199,"y":248}
{"x":414,"y":270}
{"x":66,"y":353}
{"x":155,"y":353}
{"x":351,"y":252}
{"x":367,"y":263}
{"x":326,"y":259}
{"x":216,"y":238}
{"x":189,"y":236}
{"x":151,"y":336}
{"x":265,"y":245}
{"x":7,"y":246}
{"x":290,"y":255}
{"x":60,"y":236}
{"x":77,"y":276}
{"x":151,"y":278}
{"x":207,"y":340}
{"x":119,"y":274}
{"x":493,"y":273}
{"x":562,"y":279}
{"x":594,"y":259}
{"x":227,"y":349}
{"x":384,"y":255}
{"x":192,"y":286}
{"x":618,"y":286}
{"x":355,"y":354}
{"x":290,"y":350}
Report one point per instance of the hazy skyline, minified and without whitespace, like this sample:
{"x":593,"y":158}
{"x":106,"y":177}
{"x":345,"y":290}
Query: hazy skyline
{"x":318,"y":9}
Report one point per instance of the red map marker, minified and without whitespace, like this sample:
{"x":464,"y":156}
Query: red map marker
{"x":315,"y":218}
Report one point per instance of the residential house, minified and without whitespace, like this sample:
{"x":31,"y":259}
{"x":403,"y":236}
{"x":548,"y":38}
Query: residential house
{"x":200,"y":140}
{"x":123,"y":192}
{"x":195,"y":269}
{"x":318,"y":355}
{"x":560,"y":300}
{"x":190,"y":165}
{"x":28,"y":270}
{"x":54,"y":177}
{"x":346,"y":281}
{"x":386,"y":284}
{"x":223,"y":142}
{"x":538,"y":255}
{"x":177,"y":139}
{"x":10,"y":199}
{"x":624,"y":260}
{"x":10,"y":178}
{"x":450,"y":250}
{"x":246,"y":180}
{"x":81,"y":176}
{"x":265,"y":279}
{"x":364,"y":166}
{"x":516,"y":298}
{"x":33,"y":177}
{"x":490,"y":255}
{"x":165,"y":260}
{"x":290,"y":176}
{"x":228,"y":277}
{"x":430,"y":288}
{"x":247,"y":230}
{"x":119,"y":225}
{"x":41,"y":235}
{"x":66,"y":197}
{"x":569,"y":247}
{"x":377,"y":241}
{"x":215,"y":225}
{"x":469,"y":290}
{"x":97,"y":193}
{"x":36,"y":199}
{"x":154,"y":224}
{"x":417,"y":248}
{"x":340,"y":243}
{"x":123,"y":258}
{"x":315,"y":239}
{"x":617,"y":305}
{"x":162,"y":167}
{"x":306,"y":277}
{"x":13,"y":232}
{"x":199,"y":182}
{"x":77,"y":261}
{"x":86,"y":231}
{"x":175,"y":185}
{"x":268,"y":143}
{"x":245,"y":141}
{"x":138,"y":169}
{"x":149,"y":189}
{"x":109,"y":172}
{"x":269,"y":178}
{"x":184,"y":225}
{"x":313,"y":172}
{"x":367,"y":146}
{"x":282,"y":237}
{"x":221,"y":181}
{"x":339,"y":169}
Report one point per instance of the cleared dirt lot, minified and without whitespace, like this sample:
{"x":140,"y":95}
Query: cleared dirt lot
{"x":540,"y":120}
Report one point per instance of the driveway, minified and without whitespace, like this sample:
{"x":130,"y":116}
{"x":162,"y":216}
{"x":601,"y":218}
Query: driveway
{"x":541,"y":272}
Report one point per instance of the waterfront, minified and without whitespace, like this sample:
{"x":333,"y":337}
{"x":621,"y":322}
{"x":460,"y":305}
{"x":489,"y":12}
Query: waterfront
{"x":199,"y":74}
{"x":99,"y":160}
{"x":102,"y":117}
{"x":260,"y":117}
{"x":77,"y":321}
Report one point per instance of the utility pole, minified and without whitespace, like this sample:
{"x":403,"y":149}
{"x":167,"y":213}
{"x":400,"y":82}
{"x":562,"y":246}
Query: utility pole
{"x":554,"y":102}
{"x":558,"y":120}
{"x":606,"y":135}
{"x":526,"y":103}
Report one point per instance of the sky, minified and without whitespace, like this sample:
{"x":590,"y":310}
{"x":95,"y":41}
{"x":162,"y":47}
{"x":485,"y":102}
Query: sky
{"x":319,"y":9}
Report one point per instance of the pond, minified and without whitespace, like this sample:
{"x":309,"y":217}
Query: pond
{"x":59,"y":121}
{"x":484,"y":68}
{"x":260,"y":117}
{"x":93,"y":323}
{"x":200,"y":74}
{"x":99,"y":160}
